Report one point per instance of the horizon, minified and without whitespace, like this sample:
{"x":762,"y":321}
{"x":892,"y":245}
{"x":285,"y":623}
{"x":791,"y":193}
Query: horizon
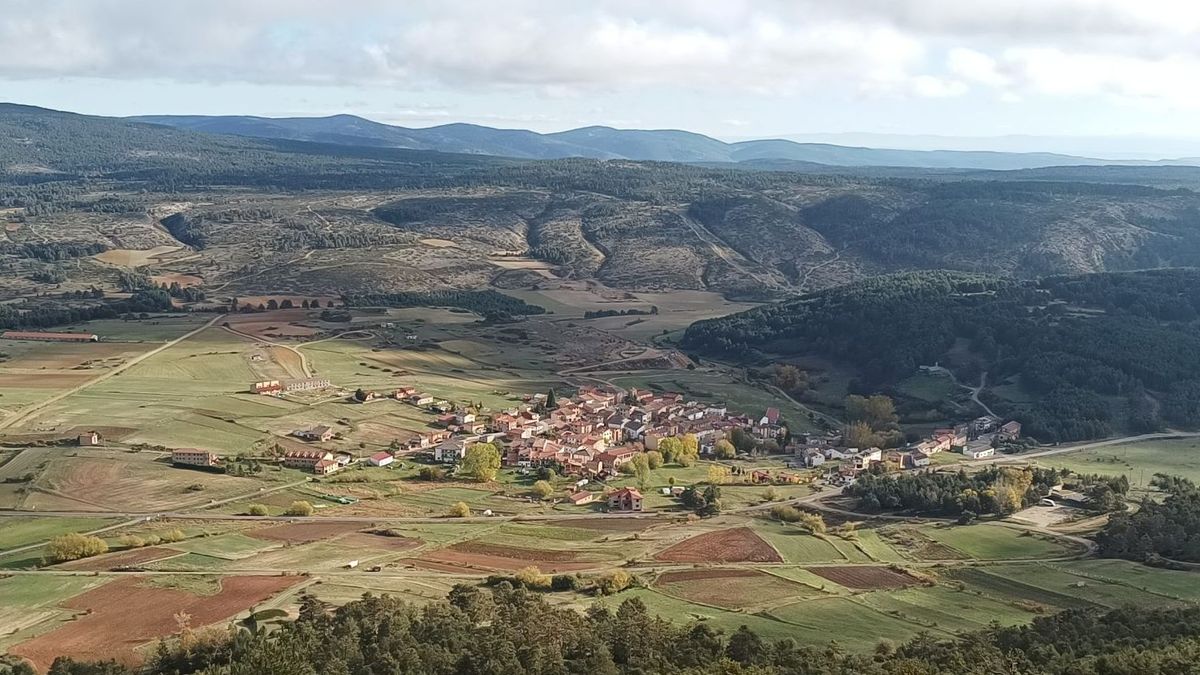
{"x":1075,"y":73}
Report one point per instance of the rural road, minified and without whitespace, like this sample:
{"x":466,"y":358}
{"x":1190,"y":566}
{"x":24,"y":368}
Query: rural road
{"x":304,"y":367}
{"x":27,"y":412}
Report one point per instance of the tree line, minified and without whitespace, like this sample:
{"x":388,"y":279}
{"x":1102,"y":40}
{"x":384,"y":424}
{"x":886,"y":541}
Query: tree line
{"x":506,"y":630}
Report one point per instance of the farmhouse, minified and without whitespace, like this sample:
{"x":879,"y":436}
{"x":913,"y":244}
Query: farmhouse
{"x":49,"y":337}
{"x":89,"y":439}
{"x":580,"y":498}
{"x":194,"y":457}
{"x":306,"y":459}
{"x":326,"y":467}
{"x":267,"y":387}
{"x":321,"y":433}
{"x":306,"y":384}
{"x":380,"y":459}
{"x":625,"y":499}
{"x":978,"y":452}
{"x":1010,"y":431}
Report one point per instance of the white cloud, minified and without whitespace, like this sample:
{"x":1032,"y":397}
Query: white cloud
{"x":1123,"y":50}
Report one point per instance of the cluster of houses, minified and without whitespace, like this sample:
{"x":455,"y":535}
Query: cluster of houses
{"x":318,"y":462}
{"x":590,"y":435}
{"x":974,"y":440}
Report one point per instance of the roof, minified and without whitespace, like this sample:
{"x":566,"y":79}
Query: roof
{"x":632,"y":492}
{"x":304,"y":454}
{"x":321,"y":429}
{"x":35,"y":335}
{"x":582,"y":494}
{"x":379,"y":456}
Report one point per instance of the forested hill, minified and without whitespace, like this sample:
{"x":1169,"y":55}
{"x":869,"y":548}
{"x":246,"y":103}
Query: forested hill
{"x":1094,"y":353}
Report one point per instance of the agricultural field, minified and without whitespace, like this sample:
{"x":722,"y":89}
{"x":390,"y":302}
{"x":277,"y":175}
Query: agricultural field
{"x":1136,"y":461}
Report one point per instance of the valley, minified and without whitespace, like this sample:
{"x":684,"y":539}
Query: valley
{"x":723,"y":397}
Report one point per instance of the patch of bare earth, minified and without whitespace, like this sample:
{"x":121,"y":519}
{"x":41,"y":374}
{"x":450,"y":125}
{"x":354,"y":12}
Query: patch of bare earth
{"x":862,"y":577}
{"x":739,"y":544}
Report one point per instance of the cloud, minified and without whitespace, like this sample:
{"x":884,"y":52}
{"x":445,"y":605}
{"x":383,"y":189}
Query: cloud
{"x":1147,"y":50}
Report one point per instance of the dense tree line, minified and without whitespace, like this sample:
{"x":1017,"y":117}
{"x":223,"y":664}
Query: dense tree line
{"x":53,"y":251}
{"x":1072,"y":341}
{"x":993,"y":490}
{"x":507,"y":630}
{"x":36,"y":313}
{"x":1169,"y":528}
{"x":489,"y":304}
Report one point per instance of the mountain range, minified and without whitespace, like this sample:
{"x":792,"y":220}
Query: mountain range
{"x":599,"y":142}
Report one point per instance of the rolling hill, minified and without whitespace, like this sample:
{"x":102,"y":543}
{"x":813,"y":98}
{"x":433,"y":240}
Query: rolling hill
{"x":599,"y":142}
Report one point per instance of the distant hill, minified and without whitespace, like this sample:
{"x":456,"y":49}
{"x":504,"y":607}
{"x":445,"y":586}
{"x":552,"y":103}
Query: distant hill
{"x":599,"y":142}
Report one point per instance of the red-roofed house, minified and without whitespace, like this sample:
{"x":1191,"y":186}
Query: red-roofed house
{"x":380,"y":459}
{"x":625,"y":499}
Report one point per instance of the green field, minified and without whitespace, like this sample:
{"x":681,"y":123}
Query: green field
{"x":994,"y":542}
{"x":1138,"y":461}
{"x":797,"y":546}
{"x":231,"y":546}
{"x":15,"y":532}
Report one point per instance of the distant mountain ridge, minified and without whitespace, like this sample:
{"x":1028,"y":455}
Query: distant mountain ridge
{"x":599,"y":142}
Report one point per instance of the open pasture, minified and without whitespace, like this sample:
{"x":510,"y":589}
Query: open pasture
{"x":990,"y":541}
{"x":125,"y":481}
{"x":1137,"y":461}
{"x":24,"y":530}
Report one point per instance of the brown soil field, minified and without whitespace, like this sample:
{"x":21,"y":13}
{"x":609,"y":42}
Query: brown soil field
{"x":44,"y":380}
{"x":701,"y":575}
{"x":516,"y":552}
{"x":302,"y":533}
{"x":938,"y":551}
{"x":864,"y":577}
{"x":125,"y":614}
{"x":495,"y":557}
{"x":138,"y":556}
{"x":731,"y":589}
{"x":184,"y":280}
{"x":739,"y":544}
{"x":378,"y":541}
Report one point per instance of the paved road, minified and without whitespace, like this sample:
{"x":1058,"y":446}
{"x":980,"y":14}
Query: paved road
{"x":36,"y":407}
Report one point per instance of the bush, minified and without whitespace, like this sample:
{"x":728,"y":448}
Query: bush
{"x":565,"y":582}
{"x":73,"y":546}
{"x":300,"y":508}
{"x":460,"y":510}
{"x":432,"y":473}
{"x":532,"y":577}
{"x":771,"y":495}
{"x":258,"y":510}
{"x":542,"y":489}
{"x":613,"y":583}
{"x":130,"y":541}
{"x":785,"y":513}
{"x":654,"y":459}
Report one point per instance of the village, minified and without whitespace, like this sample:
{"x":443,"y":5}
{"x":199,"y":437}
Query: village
{"x":593,"y":434}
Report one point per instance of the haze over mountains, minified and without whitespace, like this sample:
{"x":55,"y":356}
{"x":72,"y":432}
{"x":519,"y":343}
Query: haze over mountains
{"x":599,"y":142}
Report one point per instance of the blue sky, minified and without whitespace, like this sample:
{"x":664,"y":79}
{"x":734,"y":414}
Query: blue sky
{"x":1057,"y":69}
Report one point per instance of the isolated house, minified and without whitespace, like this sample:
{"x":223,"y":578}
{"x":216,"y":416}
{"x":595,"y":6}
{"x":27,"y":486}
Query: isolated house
{"x":321,"y":433}
{"x":625,"y":499}
{"x":380,"y":459}
{"x":88,"y":439}
{"x":194,"y":457}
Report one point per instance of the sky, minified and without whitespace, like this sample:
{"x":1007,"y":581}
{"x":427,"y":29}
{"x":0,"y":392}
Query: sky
{"x":1115,"y":76}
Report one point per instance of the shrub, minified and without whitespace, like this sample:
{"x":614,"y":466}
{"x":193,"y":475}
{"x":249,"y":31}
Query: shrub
{"x":785,"y":513}
{"x":613,"y":583}
{"x":771,"y":495}
{"x":300,"y":508}
{"x":432,"y":473}
{"x":565,"y":582}
{"x":460,"y":510}
{"x":532,"y":577}
{"x":73,"y":546}
{"x":131,"y":541}
{"x":258,"y":510}
{"x":542,"y":489}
